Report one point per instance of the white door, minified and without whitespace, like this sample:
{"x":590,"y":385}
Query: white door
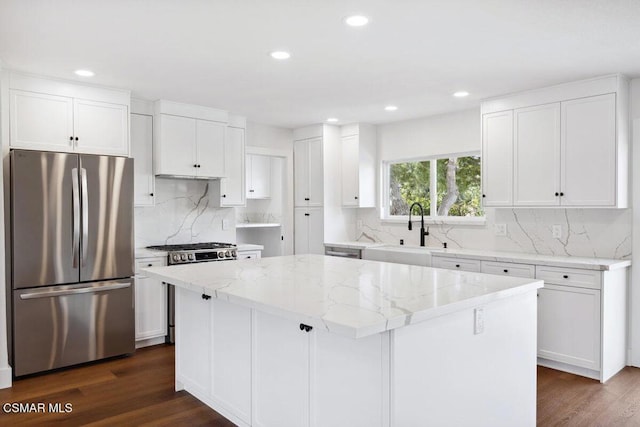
{"x":281,"y":376}
{"x":316,"y":174}
{"x":301,"y":172}
{"x":316,"y":230}
{"x":175,"y":154}
{"x":210,"y":148}
{"x":142,"y":153}
{"x":232,"y":188}
{"x":40,"y":122}
{"x":537,"y":156}
{"x":497,"y":159}
{"x":231,"y":358}
{"x":348,"y":391}
{"x":589,"y":151}
{"x":101,"y":127}
{"x":569,"y":325}
{"x":151,"y":303}
{"x":301,"y":231}
{"x":350,"y":171}
{"x":260,"y":177}
{"x":193,"y":341}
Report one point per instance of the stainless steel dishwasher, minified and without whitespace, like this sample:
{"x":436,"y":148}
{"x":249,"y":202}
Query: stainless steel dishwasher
{"x":343,"y":252}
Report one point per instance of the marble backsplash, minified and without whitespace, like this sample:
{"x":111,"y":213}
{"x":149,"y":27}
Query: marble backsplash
{"x":183,"y":213}
{"x":602,"y":233}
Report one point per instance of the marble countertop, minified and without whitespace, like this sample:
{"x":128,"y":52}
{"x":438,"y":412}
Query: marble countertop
{"x":353,"y":245}
{"x":249,"y":247}
{"x":548,"y":260}
{"x":350,"y":297}
{"x":257,"y":224}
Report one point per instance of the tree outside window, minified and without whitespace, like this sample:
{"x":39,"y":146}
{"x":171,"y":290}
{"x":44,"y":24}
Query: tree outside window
{"x":454,"y":180}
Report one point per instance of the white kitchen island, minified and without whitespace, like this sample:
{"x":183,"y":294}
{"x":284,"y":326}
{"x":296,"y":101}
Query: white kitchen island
{"x":309,"y":340}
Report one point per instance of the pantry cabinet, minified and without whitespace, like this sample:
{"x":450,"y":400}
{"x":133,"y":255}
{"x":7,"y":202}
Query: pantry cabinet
{"x":142,"y":153}
{"x":309,"y":235}
{"x":569,"y":144}
{"x":308,"y":172}
{"x":258,"y":176}
{"x":58,"y":116}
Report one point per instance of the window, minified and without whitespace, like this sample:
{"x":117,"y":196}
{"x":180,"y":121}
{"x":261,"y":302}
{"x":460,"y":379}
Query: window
{"x":445,"y":186}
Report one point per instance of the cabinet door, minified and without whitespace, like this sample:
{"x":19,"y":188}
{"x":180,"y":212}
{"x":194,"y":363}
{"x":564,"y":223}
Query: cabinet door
{"x":589,"y":151}
{"x":40,"y":122}
{"x":316,"y":174}
{"x":231,"y":358}
{"x":350,"y":171}
{"x":301,"y":172}
{"x":151,"y":303}
{"x":193,"y":342}
{"x":232,"y":188}
{"x":101,"y":127}
{"x":537,"y":156}
{"x":316,"y":231}
{"x":301,"y":231}
{"x":281,"y":373}
{"x":210,"y":149}
{"x":569,"y":325}
{"x":142,"y":153}
{"x":175,"y":153}
{"x":497,"y":159}
{"x":249,"y":255}
{"x":260,"y":186}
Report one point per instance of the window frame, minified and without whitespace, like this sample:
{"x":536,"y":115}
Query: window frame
{"x":432,"y":216}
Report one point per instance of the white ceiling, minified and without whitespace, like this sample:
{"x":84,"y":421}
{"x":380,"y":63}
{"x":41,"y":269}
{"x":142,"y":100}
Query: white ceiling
{"x":414,"y":53}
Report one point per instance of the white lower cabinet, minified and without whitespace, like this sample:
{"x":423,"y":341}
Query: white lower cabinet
{"x":249,"y":255}
{"x":151,"y":304}
{"x":456,"y":264}
{"x":309,"y":231}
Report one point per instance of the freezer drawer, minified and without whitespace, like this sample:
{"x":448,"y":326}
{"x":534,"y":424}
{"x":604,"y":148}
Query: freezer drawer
{"x":59,"y":326}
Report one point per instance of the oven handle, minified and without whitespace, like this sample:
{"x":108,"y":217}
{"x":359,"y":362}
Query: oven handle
{"x":44,"y":293}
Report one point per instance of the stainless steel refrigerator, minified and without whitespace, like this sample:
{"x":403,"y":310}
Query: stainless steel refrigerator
{"x":71,"y":259}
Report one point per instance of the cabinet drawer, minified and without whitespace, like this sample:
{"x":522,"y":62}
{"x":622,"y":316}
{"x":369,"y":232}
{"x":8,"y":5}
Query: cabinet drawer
{"x":457,"y":264}
{"x":508,"y":269}
{"x":149,"y":262}
{"x":570,"y":276}
{"x":248,"y":255}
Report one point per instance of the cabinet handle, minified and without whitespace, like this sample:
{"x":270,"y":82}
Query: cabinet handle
{"x":306,"y":198}
{"x":557,"y":194}
{"x":149,"y":265}
{"x":505,"y":270}
{"x":566,"y":276}
{"x":251,"y":191}
{"x":206,"y":297}
{"x":306,"y":214}
{"x":305,"y":328}
{"x":457,"y":265}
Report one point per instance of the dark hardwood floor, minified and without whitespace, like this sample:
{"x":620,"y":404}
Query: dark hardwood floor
{"x":138,"y":391}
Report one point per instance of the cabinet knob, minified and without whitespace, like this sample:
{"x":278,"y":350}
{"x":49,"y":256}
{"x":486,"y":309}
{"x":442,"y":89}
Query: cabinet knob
{"x":457,"y":265}
{"x":77,"y":138}
{"x":149,"y":265}
{"x":561,"y":194}
{"x":505,"y":270}
{"x":151,"y":194}
{"x":566,"y":276}
{"x":557,"y":194}
{"x":484,"y":195}
{"x":71,"y":138}
{"x":224,"y":195}
{"x":356,"y":197}
{"x":195,"y":166}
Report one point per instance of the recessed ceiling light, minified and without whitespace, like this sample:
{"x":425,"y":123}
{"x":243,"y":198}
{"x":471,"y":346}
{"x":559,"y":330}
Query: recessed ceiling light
{"x":390,"y":108}
{"x":85,"y":73}
{"x":280,"y":54}
{"x":461,"y":94}
{"x":356,"y":20}
{"x":332,"y":120}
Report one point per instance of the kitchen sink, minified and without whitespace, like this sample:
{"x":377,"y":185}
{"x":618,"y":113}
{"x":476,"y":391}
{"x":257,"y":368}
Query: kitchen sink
{"x":401,"y":254}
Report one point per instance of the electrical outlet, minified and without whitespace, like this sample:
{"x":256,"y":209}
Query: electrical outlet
{"x":556,"y":231}
{"x":500,"y":229}
{"x":478,"y":321}
{"x":225,"y":224}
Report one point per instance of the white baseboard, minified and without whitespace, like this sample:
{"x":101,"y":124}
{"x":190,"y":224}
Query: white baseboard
{"x":5,"y":378}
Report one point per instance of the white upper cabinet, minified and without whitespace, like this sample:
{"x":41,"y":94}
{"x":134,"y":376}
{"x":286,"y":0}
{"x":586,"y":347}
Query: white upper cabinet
{"x":308,"y":171}
{"x":589,"y":151}
{"x":189,"y":140}
{"x":497,"y":158}
{"x":142,"y":153}
{"x":54,"y":115}
{"x":232,"y":188}
{"x":258,"y":176}
{"x":537,"y":155}
{"x":358,"y":155}
{"x":570,"y":146}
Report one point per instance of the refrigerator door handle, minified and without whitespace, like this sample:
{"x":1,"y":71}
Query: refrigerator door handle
{"x":63,"y":292}
{"x":85,"y":216}
{"x":76,"y":216}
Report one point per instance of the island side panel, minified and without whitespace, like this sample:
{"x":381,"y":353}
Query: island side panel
{"x":443,"y":374}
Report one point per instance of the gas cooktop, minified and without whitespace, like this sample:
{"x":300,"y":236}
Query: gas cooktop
{"x":198,"y":252}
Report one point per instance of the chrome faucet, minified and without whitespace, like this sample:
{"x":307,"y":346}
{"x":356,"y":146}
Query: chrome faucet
{"x":423,"y":233}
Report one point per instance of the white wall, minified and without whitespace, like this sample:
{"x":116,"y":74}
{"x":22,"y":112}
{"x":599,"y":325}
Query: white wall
{"x":601,"y":233}
{"x":635,"y":203}
{"x":259,"y":135}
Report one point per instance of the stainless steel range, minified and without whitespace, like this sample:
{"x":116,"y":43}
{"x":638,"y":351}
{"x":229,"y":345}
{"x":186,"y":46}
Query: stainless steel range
{"x":186,"y":254}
